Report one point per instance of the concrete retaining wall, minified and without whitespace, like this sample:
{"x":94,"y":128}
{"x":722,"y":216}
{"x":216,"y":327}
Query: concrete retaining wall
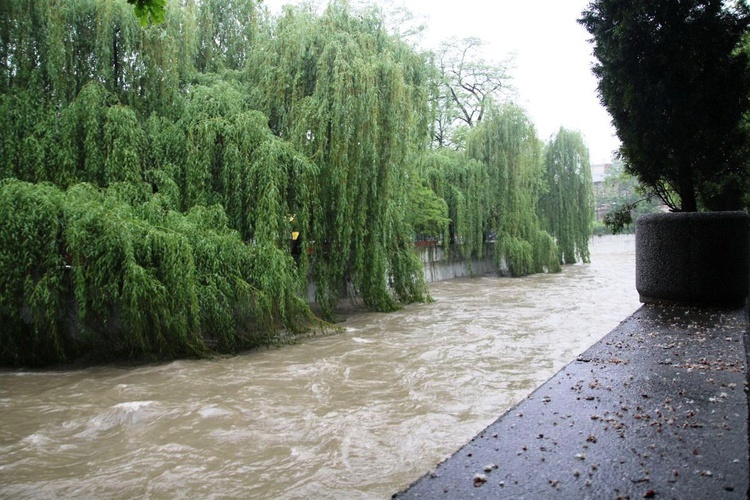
{"x":440,"y":265}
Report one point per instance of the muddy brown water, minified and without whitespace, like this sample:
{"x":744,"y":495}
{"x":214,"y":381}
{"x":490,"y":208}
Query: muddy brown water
{"x":360,"y":414}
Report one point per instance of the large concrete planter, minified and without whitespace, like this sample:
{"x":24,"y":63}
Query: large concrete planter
{"x":693,"y":259}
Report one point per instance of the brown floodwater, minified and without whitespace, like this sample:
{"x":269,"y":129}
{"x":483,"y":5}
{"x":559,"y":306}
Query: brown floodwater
{"x":359,"y":414}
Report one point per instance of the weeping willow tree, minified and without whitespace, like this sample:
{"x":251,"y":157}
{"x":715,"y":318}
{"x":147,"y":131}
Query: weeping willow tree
{"x":507,"y":159}
{"x":352,"y":97}
{"x":152,"y":178}
{"x":111,"y":273}
{"x":168,"y":231}
{"x":427,"y":212}
{"x":225,"y":32}
{"x":245,"y":285}
{"x":567,"y":206}
{"x":463,"y":184}
{"x":93,"y":139}
{"x":507,"y":145}
{"x":56,"y":48}
{"x":66,"y":67}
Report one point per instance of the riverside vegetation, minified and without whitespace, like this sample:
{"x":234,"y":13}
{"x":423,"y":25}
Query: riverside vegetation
{"x":151,"y":177}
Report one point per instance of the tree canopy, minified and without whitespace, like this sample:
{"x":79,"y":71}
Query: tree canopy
{"x":677,"y":85}
{"x":507,"y":145}
{"x":567,"y":204}
{"x":188,"y":187}
{"x":467,"y":87}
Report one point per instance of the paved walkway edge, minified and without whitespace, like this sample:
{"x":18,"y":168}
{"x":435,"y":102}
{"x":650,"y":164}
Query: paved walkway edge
{"x":656,"y":409}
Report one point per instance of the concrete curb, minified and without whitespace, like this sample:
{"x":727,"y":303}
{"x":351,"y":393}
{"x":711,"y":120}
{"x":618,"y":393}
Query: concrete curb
{"x":656,"y":409}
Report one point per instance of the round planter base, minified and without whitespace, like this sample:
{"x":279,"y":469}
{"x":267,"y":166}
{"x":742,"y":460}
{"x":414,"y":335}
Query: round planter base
{"x":693,"y":259}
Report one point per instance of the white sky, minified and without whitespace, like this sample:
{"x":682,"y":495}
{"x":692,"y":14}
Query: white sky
{"x":552,"y":70}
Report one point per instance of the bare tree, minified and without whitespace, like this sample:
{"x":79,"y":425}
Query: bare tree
{"x":467,"y":84}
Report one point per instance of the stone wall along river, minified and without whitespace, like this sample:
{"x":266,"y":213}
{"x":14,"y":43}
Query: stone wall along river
{"x":355,"y":415}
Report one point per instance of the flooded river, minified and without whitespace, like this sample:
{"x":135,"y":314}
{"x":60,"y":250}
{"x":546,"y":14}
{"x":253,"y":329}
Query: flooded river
{"x":356,"y":415}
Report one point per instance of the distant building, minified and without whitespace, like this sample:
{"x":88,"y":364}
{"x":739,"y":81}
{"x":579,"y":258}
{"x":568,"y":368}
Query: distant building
{"x":598,"y":174}
{"x":618,"y":191}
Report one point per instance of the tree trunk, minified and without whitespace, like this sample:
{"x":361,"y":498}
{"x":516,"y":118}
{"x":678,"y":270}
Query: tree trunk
{"x":688,"y":201}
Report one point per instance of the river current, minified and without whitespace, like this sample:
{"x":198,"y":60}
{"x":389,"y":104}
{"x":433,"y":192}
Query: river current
{"x":360,"y":414}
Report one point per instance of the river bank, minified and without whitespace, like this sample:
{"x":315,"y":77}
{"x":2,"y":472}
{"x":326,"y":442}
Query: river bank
{"x":358,"y":415}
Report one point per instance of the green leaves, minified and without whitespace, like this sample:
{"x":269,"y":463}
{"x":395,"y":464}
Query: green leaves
{"x":675,"y":77}
{"x":184,"y":156}
{"x":351,"y":97}
{"x":617,"y":219}
{"x":463,"y":184}
{"x":427,"y":213}
{"x":567,"y":204}
{"x":149,"y":11}
{"x":33,"y":256}
{"x":100,"y":273}
{"x":507,"y":145}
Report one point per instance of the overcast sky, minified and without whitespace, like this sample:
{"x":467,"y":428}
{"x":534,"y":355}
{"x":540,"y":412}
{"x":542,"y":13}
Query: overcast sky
{"x":552,"y":70}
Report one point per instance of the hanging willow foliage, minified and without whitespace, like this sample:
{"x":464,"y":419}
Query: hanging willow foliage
{"x":29,"y":141}
{"x":56,"y":48}
{"x":353,"y":98}
{"x":427,"y":212}
{"x":133,"y":281}
{"x":506,"y":143}
{"x":31,"y":302}
{"x":567,"y":207}
{"x":225,"y":33}
{"x":152,"y":178}
{"x":463,"y":184}
{"x":112,"y":273}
